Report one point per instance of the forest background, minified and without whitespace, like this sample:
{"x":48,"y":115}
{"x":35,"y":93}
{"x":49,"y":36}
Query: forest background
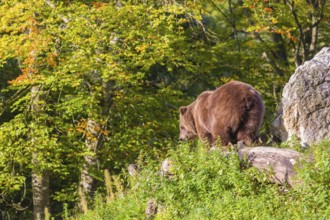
{"x":88,"y":86}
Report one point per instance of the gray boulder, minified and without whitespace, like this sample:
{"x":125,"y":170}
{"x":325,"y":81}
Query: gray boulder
{"x":305,"y":106}
{"x":278,"y":163}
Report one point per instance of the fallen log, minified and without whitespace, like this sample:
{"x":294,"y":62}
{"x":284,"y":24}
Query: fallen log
{"x":278,"y":162}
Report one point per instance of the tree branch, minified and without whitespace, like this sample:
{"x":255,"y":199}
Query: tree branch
{"x":234,"y":24}
{"x":222,"y":13}
{"x":301,"y":39}
{"x":19,"y":94}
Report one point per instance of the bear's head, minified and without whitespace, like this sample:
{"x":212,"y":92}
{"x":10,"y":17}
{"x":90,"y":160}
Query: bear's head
{"x":187,"y":123}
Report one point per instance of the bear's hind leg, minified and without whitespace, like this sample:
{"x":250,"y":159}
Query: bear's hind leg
{"x":251,"y":123}
{"x":226,"y":137}
{"x":247,"y":136}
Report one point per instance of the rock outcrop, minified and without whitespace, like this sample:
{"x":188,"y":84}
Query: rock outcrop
{"x":305,"y":107}
{"x":167,"y":168}
{"x":278,"y":163}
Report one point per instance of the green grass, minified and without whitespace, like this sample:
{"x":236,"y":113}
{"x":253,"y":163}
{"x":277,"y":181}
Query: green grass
{"x":210,"y":185}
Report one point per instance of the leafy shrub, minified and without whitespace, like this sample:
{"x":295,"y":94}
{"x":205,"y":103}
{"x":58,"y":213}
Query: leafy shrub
{"x":211,"y":185}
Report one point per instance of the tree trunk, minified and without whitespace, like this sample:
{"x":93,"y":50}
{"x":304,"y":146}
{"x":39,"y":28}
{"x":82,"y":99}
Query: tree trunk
{"x":40,"y":178}
{"x":40,"y":189}
{"x":314,"y":34}
{"x":279,"y":53}
{"x":233,"y":23}
{"x":86,"y":179}
{"x":93,"y":141}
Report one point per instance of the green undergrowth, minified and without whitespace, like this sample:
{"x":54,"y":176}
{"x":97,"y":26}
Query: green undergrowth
{"x":210,"y":185}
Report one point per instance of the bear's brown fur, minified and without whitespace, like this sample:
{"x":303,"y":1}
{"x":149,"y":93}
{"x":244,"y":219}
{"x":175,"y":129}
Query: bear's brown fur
{"x":234,"y":112}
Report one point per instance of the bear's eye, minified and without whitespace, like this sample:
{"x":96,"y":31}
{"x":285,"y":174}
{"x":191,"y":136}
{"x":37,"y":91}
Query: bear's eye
{"x":182,"y":128}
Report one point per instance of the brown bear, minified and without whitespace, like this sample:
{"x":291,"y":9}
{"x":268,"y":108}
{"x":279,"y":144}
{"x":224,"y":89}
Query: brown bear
{"x":234,"y":112}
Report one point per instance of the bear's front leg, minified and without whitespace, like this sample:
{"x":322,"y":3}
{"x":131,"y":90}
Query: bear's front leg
{"x":204,"y":134}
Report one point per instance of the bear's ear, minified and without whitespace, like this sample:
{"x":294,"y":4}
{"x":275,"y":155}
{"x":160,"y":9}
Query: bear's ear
{"x":183,"y":110}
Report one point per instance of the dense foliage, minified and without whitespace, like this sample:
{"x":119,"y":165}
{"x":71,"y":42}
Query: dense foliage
{"x":91,"y":85}
{"x":211,"y":185}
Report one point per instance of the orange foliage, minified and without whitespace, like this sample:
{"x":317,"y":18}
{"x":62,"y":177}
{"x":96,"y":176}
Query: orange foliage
{"x":33,"y":29}
{"x":82,"y":128}
{"x":287,"y":33}
{"x":51,"y":59}
{"x":21,"y":78}
{"x":268,"y":10}
{"x":25,"y":77}
{"x":292,"y":38}
{"x":99,"y":4}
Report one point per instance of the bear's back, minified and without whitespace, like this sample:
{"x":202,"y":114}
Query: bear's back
{"x":231,"y":97}
{"x":233,"y":105}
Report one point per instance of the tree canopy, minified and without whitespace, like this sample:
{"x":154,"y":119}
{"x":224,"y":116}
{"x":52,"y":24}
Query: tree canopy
{"x":91,"y":85}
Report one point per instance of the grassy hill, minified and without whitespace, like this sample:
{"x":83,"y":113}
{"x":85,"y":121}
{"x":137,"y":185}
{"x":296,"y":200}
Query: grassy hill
{"x":210,"y":185}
